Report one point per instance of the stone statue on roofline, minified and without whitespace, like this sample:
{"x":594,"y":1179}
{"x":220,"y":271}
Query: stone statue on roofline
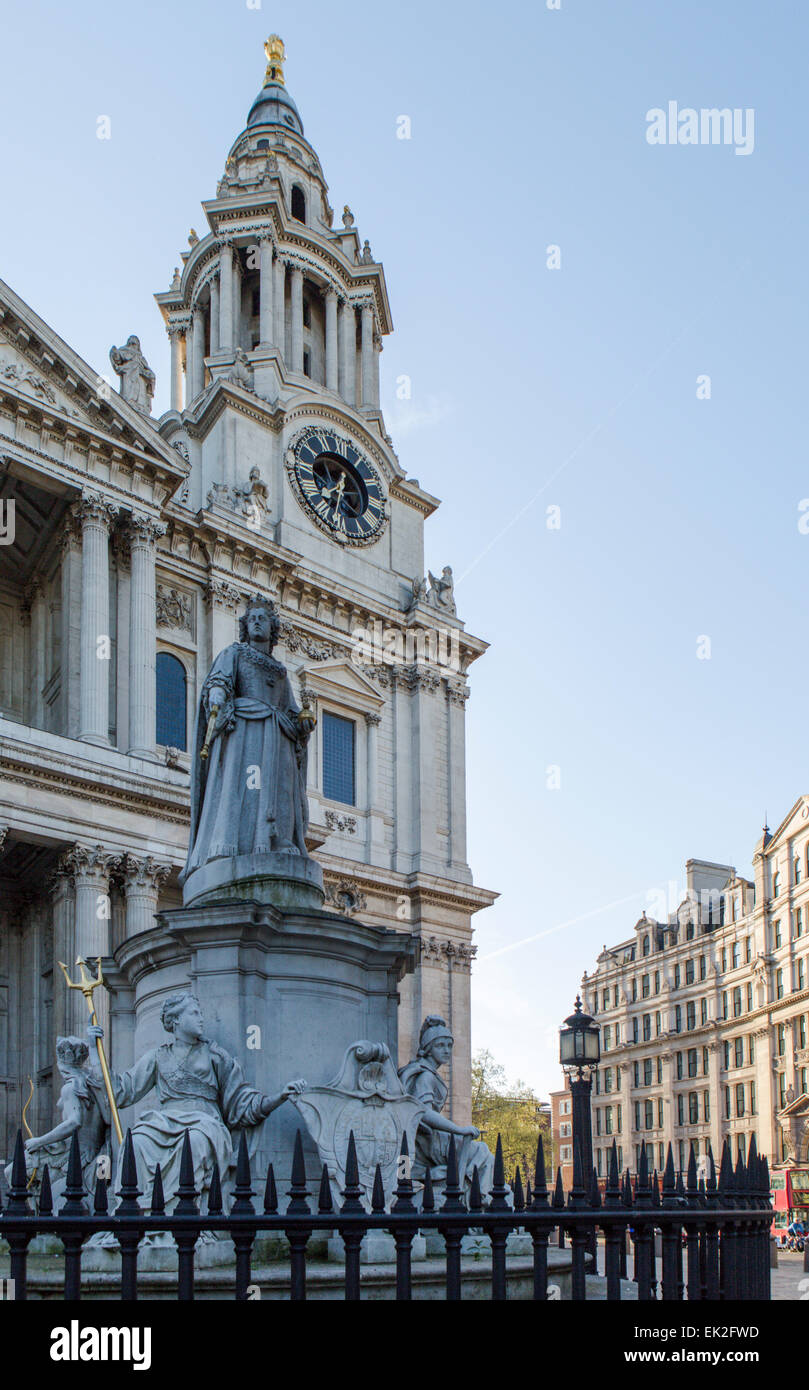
{"x":137,"y":378}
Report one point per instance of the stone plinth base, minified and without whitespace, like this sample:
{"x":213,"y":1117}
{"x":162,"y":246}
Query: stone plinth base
{"x":284,"y":992}
{"x":288,"y":881}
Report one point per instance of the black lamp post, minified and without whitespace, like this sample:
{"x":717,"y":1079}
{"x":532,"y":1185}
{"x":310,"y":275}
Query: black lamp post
{"x":580,"y":1054}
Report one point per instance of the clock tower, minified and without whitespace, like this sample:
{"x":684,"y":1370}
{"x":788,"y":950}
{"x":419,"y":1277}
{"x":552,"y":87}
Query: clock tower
{"x":276,"y":321}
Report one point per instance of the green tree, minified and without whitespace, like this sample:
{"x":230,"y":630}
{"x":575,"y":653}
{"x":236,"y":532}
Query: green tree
{"x":511,"y":1110}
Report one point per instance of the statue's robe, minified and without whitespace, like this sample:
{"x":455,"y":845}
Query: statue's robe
{"x":420,"y":1080}
{"x":204,"y":1095}
{"x":230,"y":815}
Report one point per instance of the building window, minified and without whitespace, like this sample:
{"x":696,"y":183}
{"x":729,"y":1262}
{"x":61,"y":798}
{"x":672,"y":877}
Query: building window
{"x":724,"y":959}
{"x":726,"y":1053}
{"x":727,"y":1102}
{"x":608,"y":1120}
{"x":598,"y":1120}
{"x":678,"y":1019}
{"x":659,"y":1071}
{"x":738,"y":1052}
{"x":634,"y":990}
{"x":735,"y":954}
{"x":776,"y":885}
{"x":706,"y":1105}
{"x":676,"y":977}
{"x":657,"y":982}
{"x":647,"y":1071}
{"x":724,"y":1003}
{"x":648,"y":1115}
{"x":564,"y":1130}
{"x":338,"y":759}
{"x":692,"y":1061}
{"x":782,"y":1090}
{"x":752,"y":1097}
{"x":691,"y":1014}
{"x":171,"y":703}
{"x":298,"y":203}
{"x":740,"y":1100}
{"x":749,"y":998}
{"x":737,"y":1002}
{"x":751,"y":1048}
{"x":779,"y":984}
{"x":704,"y":1061}
{"x":307,"y":314}
{"x":645,"y":987}
{"x":645,"y":947}
{"x":658,"y":1024}
{"x":566,"y":1153}
{"x":801,"y":974}
{"x":777,"y":932}
{"x":607,"y":1079}
{"x":703,"y":1010}
{"x":636,"y":1073}
{"x":801,"y":1031}
{"x":693,"y":1108}
{"x":647,"y":1027}
{"x":748,"y":950}
{"x":689,"y":972}
{"x":307,"y":363}
{"x":689,"y":931}
{"x":634,"y":1030}
{"x":681,"y":1109}
{"x":797,"y":870}
{"x":781,"y":1039}
{"x":679,"y":1059}
{"x":703,"y":967}
{"x":659,"y":1112}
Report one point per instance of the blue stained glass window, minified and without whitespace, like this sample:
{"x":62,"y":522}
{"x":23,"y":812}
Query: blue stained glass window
{"x":171,"y":702}
{"x":338,"y":759}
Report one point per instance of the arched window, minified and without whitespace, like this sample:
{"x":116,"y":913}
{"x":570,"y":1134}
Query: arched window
{"x":298,"y":203}
{"x":171,"y":701}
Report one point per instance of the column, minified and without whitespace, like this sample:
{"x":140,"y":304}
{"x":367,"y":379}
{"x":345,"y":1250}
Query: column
{"x":143,"y":534}
{"x":368,"y":355}
{"x":198,"y":352}
{"x":69,"y":620}
{"x":226,"y":297}
{"x":97,"y":517}
{"x":265,"y":293}
{"x":296,"y":314}
{"x":214,"y":314}
{"x":375,"y":831}
{"x":331,"y":340}
{"x":279,"y":311}
{"x":143,"y":879}
{"x":63,"y":901}
{"x":90,"y":866}
{"x":348,"y":354}
{"x":376,"y":372}
{"x":457,"y":696}
{"x":176,"y":334}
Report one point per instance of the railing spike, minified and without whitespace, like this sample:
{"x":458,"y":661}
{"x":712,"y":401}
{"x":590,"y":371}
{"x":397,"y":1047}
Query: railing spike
{"x":74,"y":1203}
{"x":325,"y":1202}
{"x":558,"y":1192}
{"x":270,"y":1193}
{"x":100,"y":1203}
{"x":158,"y":1207}
{"x":46,"y":1193}
{"x":498,"y":1197}
{"x":129,"y":1192}
{"x":428,"y":1195}
{"x":352,"y":1192}
{"x":404,"y":1186}
{"x":18,"y":1193}
{"x":215,"y":1204}
{"x":519,"y":1195}
{"x":378,"y":1191}
{"x":453,"y":1200}
{"x":186,"y":1191}
{"x":243,"y":1188}
{"x":298,"y":1191}
{"x":475,"y":1194}
{"x":540,"y":1194}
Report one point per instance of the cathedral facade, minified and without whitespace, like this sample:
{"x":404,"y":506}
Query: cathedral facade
{"x":128,"y":545}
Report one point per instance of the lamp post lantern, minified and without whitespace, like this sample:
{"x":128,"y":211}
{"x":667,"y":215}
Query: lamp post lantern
{"x":580,"y":1054}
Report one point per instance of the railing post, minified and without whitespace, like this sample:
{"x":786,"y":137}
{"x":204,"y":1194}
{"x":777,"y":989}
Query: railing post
{"x":539,"y":1234}
{"x":614,"y":1234}
{"x":186,"y":1236}
{"x":498,"y":1233}
{"x":672,"y":1249}
{"x":404,"y":1206}
{"x":352,"y":1235}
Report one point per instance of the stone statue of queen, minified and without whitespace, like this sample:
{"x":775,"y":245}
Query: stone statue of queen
{"x":248,"y":774}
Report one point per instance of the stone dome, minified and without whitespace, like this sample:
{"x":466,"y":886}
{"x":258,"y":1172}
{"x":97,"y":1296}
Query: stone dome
{"x":274,"y":106}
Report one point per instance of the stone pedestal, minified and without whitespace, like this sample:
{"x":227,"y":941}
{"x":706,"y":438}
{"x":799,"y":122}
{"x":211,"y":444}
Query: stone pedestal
{"x":284,"y":991}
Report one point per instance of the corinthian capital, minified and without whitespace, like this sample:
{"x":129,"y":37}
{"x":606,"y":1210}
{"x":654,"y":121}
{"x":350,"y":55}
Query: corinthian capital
{"x":144,"y":530}
{"x":143,"y":875}
{"x":91,"y":863}
{"x":95,"y":510}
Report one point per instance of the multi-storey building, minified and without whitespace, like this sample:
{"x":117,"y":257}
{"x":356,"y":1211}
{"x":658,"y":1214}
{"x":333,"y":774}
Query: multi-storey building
{"x":562,"y":1134}
{"x":705,"y":1015}
{"x":128,"y":548}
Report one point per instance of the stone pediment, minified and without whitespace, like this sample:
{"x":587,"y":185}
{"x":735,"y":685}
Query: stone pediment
{"x":340,"y":680}
{"x":797,"y":819}
{"x":41,"y":369}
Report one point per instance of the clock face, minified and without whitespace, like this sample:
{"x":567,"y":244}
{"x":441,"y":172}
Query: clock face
{"x":338,"y":486}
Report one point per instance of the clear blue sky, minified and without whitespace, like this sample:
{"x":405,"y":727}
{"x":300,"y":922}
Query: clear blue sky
{"x":531,"y":387}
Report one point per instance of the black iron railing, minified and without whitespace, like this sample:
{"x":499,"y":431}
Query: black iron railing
{"x":700,"y":1240}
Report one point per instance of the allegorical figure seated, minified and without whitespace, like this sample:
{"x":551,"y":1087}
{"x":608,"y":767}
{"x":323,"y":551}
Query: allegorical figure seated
{"x":248,"y":795}
{"x":421,"y":1080}
{"x":85,"y":1111}
{"x":201,"y":1091}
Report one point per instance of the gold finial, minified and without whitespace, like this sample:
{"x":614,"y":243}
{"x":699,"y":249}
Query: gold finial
{"x":275,"y":51}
